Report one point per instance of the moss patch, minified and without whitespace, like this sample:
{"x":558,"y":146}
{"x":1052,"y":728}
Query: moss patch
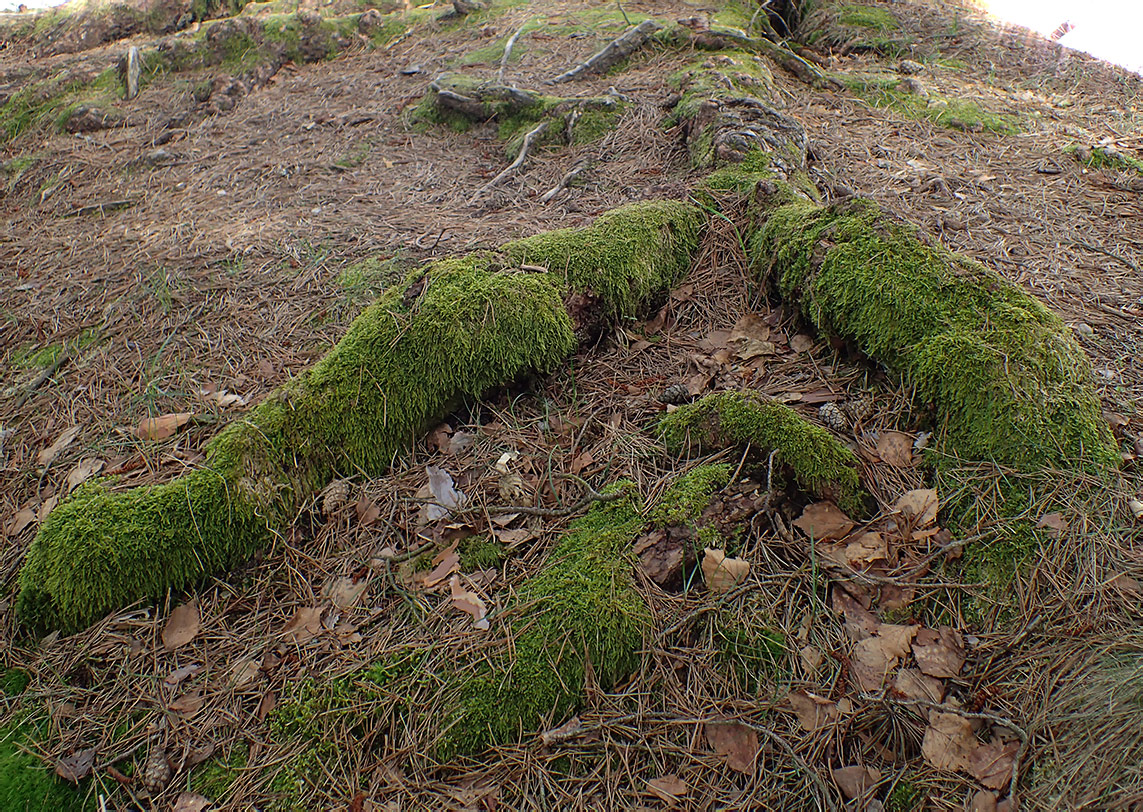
{"x":582,"y":608}
{"x":473,"y":325}
{"x":820,"y":464}
{"x":956,"y":114}
{"x":47,"y":104}
{"x":853,"y":27}
{"x":1007,"y":379}
{"x":27,"y":783}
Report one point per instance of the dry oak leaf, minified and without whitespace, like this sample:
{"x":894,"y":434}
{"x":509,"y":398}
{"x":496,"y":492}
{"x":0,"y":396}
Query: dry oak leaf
{"x":854,"y":613}
{"x":824,"y":521}
{"x":159,"y":428}
{"x":895,"y":639}
{"x":191,"y":802}
{"x":468,"y":602}
{"x":912,"y":684}
{"x":77,"y":766}
{"x":45,"y":457}
{"x":735,"y":742}
{"x":920,"y":506}
{"x":445,"y":563}
{"x":895,"y":448}
{"x":866,"y":548}
{"x":21,"y":519}
{"x":948,"y":741}
{"x":855,"y":781}
{"x":814,"y":712}
{"x":939,"y":653}
{"x":305,"y":625}
{"x":870,"y":664}
{"x":668,"y":789}
{"x":84,"y":470}
{"x":992,"y":764}
{"x":720,"y":573}
{"x":182,"y":626}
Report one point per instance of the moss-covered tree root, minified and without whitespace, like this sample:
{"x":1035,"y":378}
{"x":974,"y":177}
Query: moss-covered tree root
{"x":460,"y":328}
{"x":581,"y":612}
{"x":820,"y":464}
{"x":1008,"y":381}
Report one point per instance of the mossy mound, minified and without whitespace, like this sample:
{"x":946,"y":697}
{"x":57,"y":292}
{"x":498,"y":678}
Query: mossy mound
{"x":849,"y":27}
{"x":583,"y":611}
{"x":29,"y":785}
{"x":820,"y":464}
{"x":460,"y":328}
{"x":1008,"y":382}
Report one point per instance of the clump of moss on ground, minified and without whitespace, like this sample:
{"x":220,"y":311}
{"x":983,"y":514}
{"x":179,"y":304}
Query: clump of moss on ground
{"x":957,"y":114}
{"x":474,"y":325}
{"x":26,"y":782}
{"x":1007,"y":379}
{"x":821,"y":465}
{"x":583,"y":607}
{"x":48,"y":103}
{"x":853,"y":27}
{"x":1104,"y":158}
{"x":746,"y":645}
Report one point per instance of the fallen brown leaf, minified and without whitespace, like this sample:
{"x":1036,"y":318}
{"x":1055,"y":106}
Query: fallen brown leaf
{"x":159,"y":428}
{"x":176,"y":677}
{"x":991,"y":764}
{"x":896,"y":639}
{"x":191,"y":802}
{"x":468,"y":602}
{"x":895,"y":448}
{"x":801,"y":343}
{"x":948,"y":741}
{"x":243,"y":674}
{"x":47,"y":507}
{"x":367,"y":511}
{"x":854,"y":613}
{"x":824,"y":521}
{"x":77,"y":766}
{"x":912,"y":684}
{"x":735,"y":742}
{"x":814,"y":712}
{"x":668,"y":789}
{"x":84,"y":470}
{"x":1054,"y":523}
{"x":305,"y":625}
{"x":182,"y":626}
{"x":866,"y":548}
{"x":344,"y":592}
{"x":939,"y":653}
{"x":870,"y":664}
{"x":21,"y":519}
{"x":920,"y":506}
{"x":46,"y":456}
{"x":445,"y":563}
{"x":187,"y":704}
{"x":856,"y":780}
{"x":720,"y":573}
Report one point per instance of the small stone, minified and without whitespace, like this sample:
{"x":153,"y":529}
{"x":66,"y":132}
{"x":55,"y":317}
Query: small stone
{"x":831,"y":415}
{"x":676,"y":394}
{"x":908,"y":67}
{"x":1084,"y":329}
{"x":913,"y":85}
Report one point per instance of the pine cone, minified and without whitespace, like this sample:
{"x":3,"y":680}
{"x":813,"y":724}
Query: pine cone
{"x":334,"y":497}
{"x":157,"y":771}
{"x":859,"y":408}
{"x":675,"y":393}
{"x":831,"y":415}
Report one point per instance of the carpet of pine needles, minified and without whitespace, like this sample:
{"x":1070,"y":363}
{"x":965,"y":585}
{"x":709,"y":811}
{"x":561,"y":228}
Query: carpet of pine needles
{"x":226,"y":273}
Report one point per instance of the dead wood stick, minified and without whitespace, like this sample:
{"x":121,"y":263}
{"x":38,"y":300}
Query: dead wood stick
{"x":565,"y":181}
{"x":110,"y":205}
{"x":614,"y":53}
{"x":61,"y":359}
{"x":532,"y":135}
{"x":508,"y":52}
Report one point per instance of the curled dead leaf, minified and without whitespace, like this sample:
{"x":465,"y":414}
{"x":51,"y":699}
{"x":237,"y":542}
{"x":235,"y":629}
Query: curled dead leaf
{"x":84,"y":470}
{"x":445,"y":563}
{"x":824,"y":521}
{"x":855,"y":781}
{"x":939,"y":653}
{"x":722,"y":574}
{"x":735,"y":742}
{"x":305,"y":625}
{"x":468,"y":602}
{"x":895,"y":448}
{"x":919,"y":506}
{"x":948,"y":742}
{"x":21,"y":519}
{"x":669,"y":788}
{"x":992,"y":764}
{"x":159,"y":428}
{"x":45,"y":457}
{"x":182,"y":626}
{"x":77,"y":766}
{"x":814,"y":712}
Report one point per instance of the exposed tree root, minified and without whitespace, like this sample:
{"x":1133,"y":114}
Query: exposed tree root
{"x":509,"y":170}
{"x":614,"y":53}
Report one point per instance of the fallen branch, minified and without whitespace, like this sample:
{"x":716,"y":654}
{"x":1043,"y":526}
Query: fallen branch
{"x":51,"y":370}
{"x":508,"y":51}
{"x":565,"y":181}
{"x":110,"y":205}
{"x":509,"y":170}
{"x":614,"y":53}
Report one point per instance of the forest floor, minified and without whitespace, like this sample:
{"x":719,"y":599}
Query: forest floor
{"x":151,"y":270}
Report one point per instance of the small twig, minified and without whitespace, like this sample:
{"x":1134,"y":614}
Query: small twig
{"x":110,"y":205}
{"x":532,"y":135}
{"x":565,"y":181}
{"x":508,"y":52}
{"x":626,"y":19}
{"x":592,"y":496}
{"x":61,"y":359}
{"x":1132,"y":266}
